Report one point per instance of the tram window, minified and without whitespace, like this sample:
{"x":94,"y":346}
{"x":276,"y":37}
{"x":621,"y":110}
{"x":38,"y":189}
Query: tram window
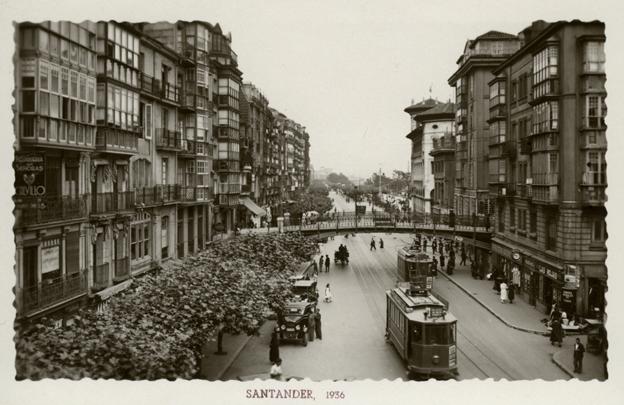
{"x":417,"y":335}
{"x":436,"y":335}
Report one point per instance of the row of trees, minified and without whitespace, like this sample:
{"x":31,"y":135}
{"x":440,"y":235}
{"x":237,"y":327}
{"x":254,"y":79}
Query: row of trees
{"x":157,"y":328}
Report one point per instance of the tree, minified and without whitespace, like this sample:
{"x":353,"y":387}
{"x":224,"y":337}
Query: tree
{"x":157,"y":327}
{"x":334,"y":178}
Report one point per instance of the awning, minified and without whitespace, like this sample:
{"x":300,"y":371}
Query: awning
{"x":109,"y":292}
{"x":252,"y":206}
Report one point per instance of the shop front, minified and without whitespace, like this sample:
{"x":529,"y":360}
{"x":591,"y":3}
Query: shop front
{"x":546,"y":284}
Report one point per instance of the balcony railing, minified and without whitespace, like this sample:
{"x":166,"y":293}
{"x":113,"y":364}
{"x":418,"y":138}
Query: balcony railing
{"x":50,"y":292}
{"x":156,"y":88}
{"x":545,"y":194}
{"x":497,"y":139}
{"x":122,"y":269}
{"x":167,"y":139}
{"x":101,"y":274}
{"x":594,"y":195}
{"x":524,"y":190}
{"x":545,"y":179}
{"x":103,"y":203}
{"x":114,"y":140}
{"x":443,"y":144}
{"x":194,"y":193}
{"x":51,"y":209}
{"x":158,"y":194}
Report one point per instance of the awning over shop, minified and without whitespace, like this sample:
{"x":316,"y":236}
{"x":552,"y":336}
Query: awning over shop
{"x":252,"y":206}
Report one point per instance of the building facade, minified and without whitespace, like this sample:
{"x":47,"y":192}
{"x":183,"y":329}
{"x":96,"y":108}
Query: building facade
{"x":547,"y":166}
{"x":431,"y":124}
{"x":470,"y":80}
{"x":443,"y":167}
{"x":416,"y":187}
{"x":129,"y":152}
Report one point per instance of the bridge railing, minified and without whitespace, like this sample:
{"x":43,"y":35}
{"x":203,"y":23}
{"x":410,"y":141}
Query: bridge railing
{"x":349,"y":221}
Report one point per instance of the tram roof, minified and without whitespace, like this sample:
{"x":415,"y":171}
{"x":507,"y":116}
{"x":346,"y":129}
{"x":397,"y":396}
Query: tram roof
{"x":414,"y":307}
{"x":413,"y":254}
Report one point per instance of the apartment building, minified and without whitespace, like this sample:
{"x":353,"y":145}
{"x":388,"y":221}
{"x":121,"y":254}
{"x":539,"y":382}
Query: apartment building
{"x":431,"y":124}
{"x":474,"y":72}
{"x":547,"y":166}
{"x":123,"y":134}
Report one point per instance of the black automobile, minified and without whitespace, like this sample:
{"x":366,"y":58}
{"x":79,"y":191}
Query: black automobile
{"x":292,"y":324}
{"x":305,"y":290}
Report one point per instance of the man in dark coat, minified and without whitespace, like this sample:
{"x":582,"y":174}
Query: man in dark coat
{"x":463,"y":258}
{"x":579,"y":351}
{"x":311,"y":327}
{"x":556,"y":333}
{"x":442,"y":261}
{"x":274,"y":348}
{"x":327,"y":261}
{"x":424,"y":245}
{"x":321,"y":260}
{"x":511,"y":293}
{"x":317,"y":324}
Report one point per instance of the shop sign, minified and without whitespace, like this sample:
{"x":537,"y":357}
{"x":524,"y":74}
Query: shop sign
{"x":29,"y":175}
{"x":547,"y":272}
{"x":50,"y":259}
{"x":27,"y":66}
{"x":567,"y":296}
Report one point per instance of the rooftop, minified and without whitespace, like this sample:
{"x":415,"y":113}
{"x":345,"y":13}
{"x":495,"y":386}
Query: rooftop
{"x":422,"y":105}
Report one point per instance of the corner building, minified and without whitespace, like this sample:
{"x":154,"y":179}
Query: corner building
{"x":470,"y":80}
{"x":548,"y":171}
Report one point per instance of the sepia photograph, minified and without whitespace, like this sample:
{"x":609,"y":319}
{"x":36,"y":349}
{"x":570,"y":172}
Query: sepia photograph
{"x":284,"y":196}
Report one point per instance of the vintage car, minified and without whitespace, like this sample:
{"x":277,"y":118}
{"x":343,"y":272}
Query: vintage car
{"x":305,"y":290}
{"x":292,"y":324}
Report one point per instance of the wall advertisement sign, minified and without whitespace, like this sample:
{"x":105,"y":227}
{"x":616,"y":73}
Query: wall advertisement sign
{"x":29,"y":176}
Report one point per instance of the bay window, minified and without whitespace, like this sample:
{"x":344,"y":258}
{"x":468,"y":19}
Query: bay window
{"x":545,"y":72}
{"x":593,"y":57}
{"x":595,"y":111}
{"x":545,"y":117}
{"x":596,"y":168}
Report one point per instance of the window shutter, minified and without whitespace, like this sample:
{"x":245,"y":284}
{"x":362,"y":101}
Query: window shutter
{"x":72,"y":249}
{"x":147,"y":125}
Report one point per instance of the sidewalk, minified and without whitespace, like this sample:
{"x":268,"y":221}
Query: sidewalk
{"x":214,"y":366}
{"x":524,"y":317}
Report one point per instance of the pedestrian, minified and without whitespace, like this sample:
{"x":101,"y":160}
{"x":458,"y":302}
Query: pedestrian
{"x":555,"y":314}
{"x":320,"y":264}
{"x":327,"y":261}
{"x":276,"y":370}
{"x":317,"y":324}
{"x":434,"y":245}
{"x":579,"y":351}
{"x":556,"y":332}
{"x":328,"y":294}
{"x":372,"y":244}
{"x":511,"y":292}
{"x":311,"y":326}
{"x":380,"y":243}
{"x":503,"y":292}
{"x":441,"y":260}
{"x":425,"y":244}
{"x":463,"y":258}
{"x":274,"y":347}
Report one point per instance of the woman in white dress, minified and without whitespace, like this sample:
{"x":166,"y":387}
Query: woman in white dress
{"x":328,"y":294}
{"x":504,"y":297}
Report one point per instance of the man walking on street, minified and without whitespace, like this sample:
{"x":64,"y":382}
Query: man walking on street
{"x":321,"y":260}
{"x":579,"y":351}
{"x":327,"y":261}
{"x":463,"y":258}
{"x":372,"y":244}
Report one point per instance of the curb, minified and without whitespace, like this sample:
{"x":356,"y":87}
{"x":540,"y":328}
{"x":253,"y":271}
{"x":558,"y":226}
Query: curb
{"x":561,"y":365}
{"x":490,"y":310}
{"x":232,"y":359}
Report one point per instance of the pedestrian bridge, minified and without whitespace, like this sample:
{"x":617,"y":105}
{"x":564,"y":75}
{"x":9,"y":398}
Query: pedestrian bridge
{"x":477,"y":235}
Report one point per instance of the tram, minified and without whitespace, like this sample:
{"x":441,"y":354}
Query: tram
{"x":418,"y":323}
{"x":414,"y":264}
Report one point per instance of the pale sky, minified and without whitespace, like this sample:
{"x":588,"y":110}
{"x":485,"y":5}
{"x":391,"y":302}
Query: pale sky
{"x":346,"y":70}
